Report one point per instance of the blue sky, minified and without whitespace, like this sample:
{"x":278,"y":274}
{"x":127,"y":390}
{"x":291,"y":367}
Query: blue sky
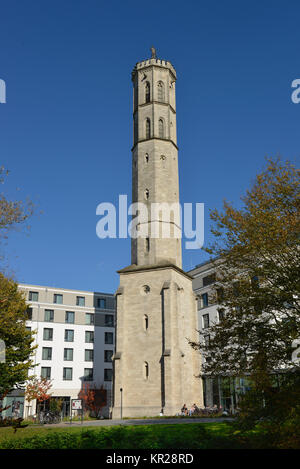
{"x":66,"y":129}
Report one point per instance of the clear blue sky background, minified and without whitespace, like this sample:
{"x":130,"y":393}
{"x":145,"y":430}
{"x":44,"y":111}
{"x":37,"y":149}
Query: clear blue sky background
{"x":66,"y":129}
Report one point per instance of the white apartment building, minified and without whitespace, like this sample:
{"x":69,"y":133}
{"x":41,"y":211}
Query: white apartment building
{"x":74,"y":331}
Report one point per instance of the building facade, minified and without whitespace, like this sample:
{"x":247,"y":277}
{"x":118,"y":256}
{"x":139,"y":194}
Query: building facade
{"x":75,"y":335}
{"x":154,"y":367}
{"x":220,"y":391}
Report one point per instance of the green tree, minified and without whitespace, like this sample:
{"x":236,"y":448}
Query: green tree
{"x":256,"y":257}
{"x":13,"y":309}
{"x":17,"y":339}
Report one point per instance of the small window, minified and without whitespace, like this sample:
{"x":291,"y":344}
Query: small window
{"x":68,"y":354}
{"x":146,"y":370}
{"x":69,"y":335}
{"x":49,"y":315}
{"x":147,"y":241}
{"x":89,"y":319}
{"x":48,"y":334}
{"x":205,"y":319}
{"x":146,"y":322}
{"x":147,"y":194}
{"x":109,"y":320}
{"x":109,"y":337}
{"x":148,"y":129}
{"x":161,"y":130}
{"x":70,"y":317}
{"x":47,"y":353}
{"x":107,"y":374}
{"x":147,"y":158}
{"x":67,"y":374}
{"x":101,"y":303}
{"x":108,"y":356}
{"x":89,"y":355}
{"x":89,"y":337}
{"x":28,"y":328}
{"x":147,"y":92}
{"x":204,"y":299}
{"x":88,"y":374}
{"x":29,"y":314}
{"x":33,"y":296}
{"x":221,"y":314}
{"x":206,"y":340}
{"x":209,"y":279}
{"x":80,"y":301}
{"x":255,"y":282}
{"x":57,"y":298}
{"x":46,"y":372}
{"x":220,"y":294}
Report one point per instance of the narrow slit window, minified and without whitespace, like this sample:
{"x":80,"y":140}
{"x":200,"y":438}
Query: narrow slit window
{"x":148,"y":128}
{"x":161,"y":130}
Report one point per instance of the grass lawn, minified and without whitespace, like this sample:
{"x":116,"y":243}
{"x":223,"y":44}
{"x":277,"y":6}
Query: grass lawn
{"x":183,"y":436}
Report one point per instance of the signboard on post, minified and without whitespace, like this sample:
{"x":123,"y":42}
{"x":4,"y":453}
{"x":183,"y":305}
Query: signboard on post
{"x":76,"y":404}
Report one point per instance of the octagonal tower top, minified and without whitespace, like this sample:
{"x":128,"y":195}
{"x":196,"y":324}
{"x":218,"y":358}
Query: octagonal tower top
{"x":154,"y":61}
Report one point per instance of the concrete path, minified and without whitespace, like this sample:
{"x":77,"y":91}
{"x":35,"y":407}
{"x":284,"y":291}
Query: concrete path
{"x":108,"y":423}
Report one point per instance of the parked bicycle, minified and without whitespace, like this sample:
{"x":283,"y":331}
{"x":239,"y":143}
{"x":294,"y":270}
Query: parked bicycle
{"x":48,"y":417}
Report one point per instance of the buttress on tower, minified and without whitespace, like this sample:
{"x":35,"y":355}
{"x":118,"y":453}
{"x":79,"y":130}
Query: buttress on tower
{"x":154,"y":366}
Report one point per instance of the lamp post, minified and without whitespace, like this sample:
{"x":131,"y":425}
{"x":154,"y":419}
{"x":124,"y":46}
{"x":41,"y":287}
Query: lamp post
{"x":121,"y":391}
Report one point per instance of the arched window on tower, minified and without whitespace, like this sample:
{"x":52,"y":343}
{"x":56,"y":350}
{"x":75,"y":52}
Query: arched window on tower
{"x":161,"y":130}
{"x":160,"y":91}
{"x":148,"y":128}
{"x":147,"y":92}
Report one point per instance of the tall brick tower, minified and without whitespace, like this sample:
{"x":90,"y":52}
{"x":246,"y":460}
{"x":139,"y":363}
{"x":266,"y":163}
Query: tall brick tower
{"x":154,"y":367}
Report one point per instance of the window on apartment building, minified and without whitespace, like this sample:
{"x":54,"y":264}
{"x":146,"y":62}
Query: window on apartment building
{"x":47,"y":333}
{"x":221,"y":314}
{"x":68,"y":354}
{"x":205,"y":321}
{"x":109,"y":337}
{"x":49,"y":315}
{"x":57,"y":298}
{"x":89,"y":337}
{"x":204,"y":300}
{"x":109,"y":320}
{"x":209,"y":279}
{"x":89,"y":355}
{"x":29,"y":314}
{"x":69,"y":335}
{"x":67,"y":374}
{"x":88,"y":374}
{"x":89,"y":319}
{"x":80,"y":300}
{"x":69,"y":317}
{"x":47,"y":353}
{"x":28,"y":328}
{"x":107,"y":374}
{"x":101,"y":303}
{"x":206,"y":339}
{"x":220,"y":294}
{"x":255,"y":282}
{"x":108,"y":356}
{"x":46,"y":372}
{"x":33,"y":296}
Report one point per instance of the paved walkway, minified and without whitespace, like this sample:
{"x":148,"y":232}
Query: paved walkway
{"x":108,"y":423}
